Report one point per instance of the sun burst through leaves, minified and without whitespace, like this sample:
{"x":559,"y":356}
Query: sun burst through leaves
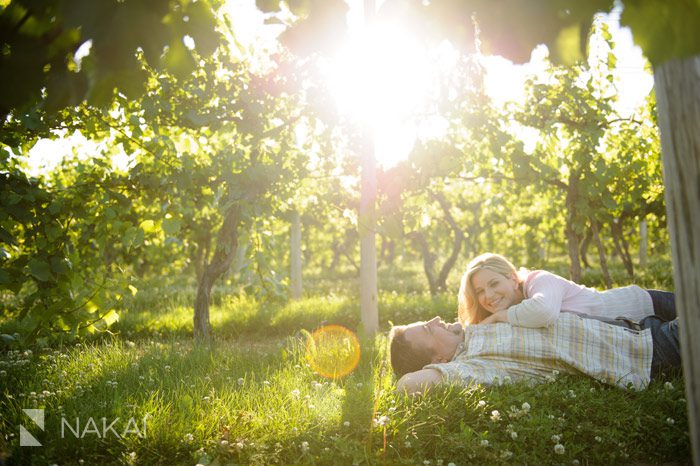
{"x":333,"y":351}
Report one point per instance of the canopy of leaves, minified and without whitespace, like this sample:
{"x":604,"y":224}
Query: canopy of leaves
{"x":39,"y":40}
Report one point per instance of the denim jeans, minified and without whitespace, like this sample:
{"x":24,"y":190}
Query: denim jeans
{"x":664,"y":304}
{"x":666,"y":340}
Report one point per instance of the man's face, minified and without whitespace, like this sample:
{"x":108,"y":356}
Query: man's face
{"x":494,"y":291}
{"x":436,"y":336}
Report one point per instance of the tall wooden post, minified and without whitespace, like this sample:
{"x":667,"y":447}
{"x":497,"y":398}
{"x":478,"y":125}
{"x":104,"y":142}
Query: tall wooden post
{"x":643,"y":243}
{"x":367,"y":221}
{"x":678,"y":100}
{"x":295,"y":256}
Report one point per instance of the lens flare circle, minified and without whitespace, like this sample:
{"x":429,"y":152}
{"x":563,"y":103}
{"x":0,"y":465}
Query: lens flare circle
{"x":333,"y":351}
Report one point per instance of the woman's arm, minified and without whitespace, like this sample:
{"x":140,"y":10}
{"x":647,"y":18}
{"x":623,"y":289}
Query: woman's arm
{"x":542,"y":306}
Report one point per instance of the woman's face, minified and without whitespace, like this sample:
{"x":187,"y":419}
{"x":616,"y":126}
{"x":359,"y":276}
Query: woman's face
{"x":495,"y":292}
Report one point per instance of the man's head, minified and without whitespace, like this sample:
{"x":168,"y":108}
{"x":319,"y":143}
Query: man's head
{"x":416,"y":345}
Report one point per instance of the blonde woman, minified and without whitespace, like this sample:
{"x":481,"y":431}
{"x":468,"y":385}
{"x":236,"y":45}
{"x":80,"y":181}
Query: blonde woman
{"x":492,"y":290}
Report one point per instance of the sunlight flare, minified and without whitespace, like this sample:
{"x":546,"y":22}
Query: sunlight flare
{"x":333,"y":351}
{"x":382,"y":78}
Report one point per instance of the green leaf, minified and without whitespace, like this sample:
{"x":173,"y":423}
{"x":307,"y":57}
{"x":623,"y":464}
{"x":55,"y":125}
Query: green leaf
{"x":40,"y":270}
{"x":148,"y":226}
{"x":7,"y":338}
{"x":171,"y":226}
{"x":59,"y":265}
{"x":106,"y":320}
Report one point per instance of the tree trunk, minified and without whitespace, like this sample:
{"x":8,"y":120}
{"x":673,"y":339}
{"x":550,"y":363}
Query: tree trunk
{"x":456,"y":244}
{"x":428,"y":259}
{"x":368,"y":247}
{"x":643,"y":244}
{"x":572,"y":238}
{"x":295,"y":256}
{"x":595,"y":230}
{"x":583,"y":248}
{"x":226,"y":245}
{"x":622,"y":246}
{"x":678,"y":100}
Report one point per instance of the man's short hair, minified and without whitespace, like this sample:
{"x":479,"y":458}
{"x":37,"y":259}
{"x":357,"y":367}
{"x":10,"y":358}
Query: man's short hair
{"x":404,"y":357}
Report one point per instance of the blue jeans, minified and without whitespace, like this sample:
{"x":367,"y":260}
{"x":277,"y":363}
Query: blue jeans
{"x":664,"y":304}
{"x":666,"y":340}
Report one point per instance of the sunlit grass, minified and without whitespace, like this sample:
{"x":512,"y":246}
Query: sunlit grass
{"x":258,"y":402}
{"x":252,"y":396}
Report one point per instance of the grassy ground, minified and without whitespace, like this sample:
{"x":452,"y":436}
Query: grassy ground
{"x":254,"y":397}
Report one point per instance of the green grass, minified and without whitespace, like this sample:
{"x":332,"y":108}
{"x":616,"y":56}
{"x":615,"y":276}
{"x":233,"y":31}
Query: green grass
{"x":252,"y":397}
{"x":251,"y":401}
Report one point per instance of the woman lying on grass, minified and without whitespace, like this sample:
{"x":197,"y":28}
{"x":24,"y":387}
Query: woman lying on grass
{"x":615,"y":352}
{"x":493,"y":291}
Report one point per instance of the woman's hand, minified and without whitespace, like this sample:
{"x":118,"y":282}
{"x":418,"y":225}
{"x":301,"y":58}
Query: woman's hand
{"x":500,"y":316}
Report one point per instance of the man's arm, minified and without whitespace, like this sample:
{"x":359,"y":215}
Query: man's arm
{"x":417,"y":382}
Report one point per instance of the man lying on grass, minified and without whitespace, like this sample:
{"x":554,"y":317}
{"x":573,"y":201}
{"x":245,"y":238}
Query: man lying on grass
{"x":615,"y":352}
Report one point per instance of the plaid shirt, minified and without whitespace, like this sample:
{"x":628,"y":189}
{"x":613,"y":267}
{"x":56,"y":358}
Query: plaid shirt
{"x":494,"y":353}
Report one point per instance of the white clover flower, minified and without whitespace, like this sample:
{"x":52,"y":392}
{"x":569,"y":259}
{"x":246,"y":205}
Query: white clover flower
{"x":206,"y":399}
{"x":296,"y":393}
{"x":507,"y":380}
{"x":484,"y":443}
{"x":312,"y":406}
{"x":224,"y":443}
{"x":266,"y":383}
{"x":167,"y":368}
{"x":426,"y":462}
{"x":451,"y":464}
{"x":668,"y":386}
{"x":556,"y":438}
{"x":559,"y":449}
{"x":241,"y":381}
{"x":407,"y":444}
{"x":575,"y":463}
{"x":358,"y":385}
{"x":240,"y":445}
{"x":513,"y":435}
{"x":670,"y":421}
{"x":555,"y":372}
{"x":506,"y":454}
{"x":392,"y":409}
{"x":495,"y":415}
{"x":481,"y":403}
{"x":346,"y":424}
{"x":526,"y":406}
{"x":304,"y":446}
{"x":381,"y":421}
{"x":189,"y":438}
{"x":438,"y":462}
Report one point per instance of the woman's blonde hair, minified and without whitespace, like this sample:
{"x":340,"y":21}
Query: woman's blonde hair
{"x":470,"y":312}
